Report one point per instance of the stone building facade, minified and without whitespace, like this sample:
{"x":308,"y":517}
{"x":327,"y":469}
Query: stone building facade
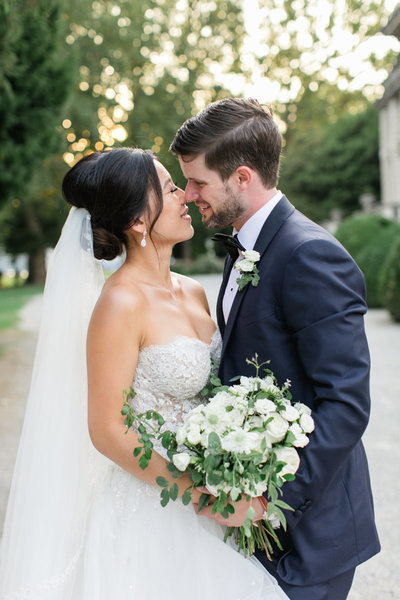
{"x":389,"y":131}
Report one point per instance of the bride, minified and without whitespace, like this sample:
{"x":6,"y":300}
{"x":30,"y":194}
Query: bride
{"x":84,"y":522}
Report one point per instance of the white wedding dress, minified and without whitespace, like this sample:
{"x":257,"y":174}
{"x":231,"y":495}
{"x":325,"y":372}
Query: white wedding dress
{"x":135,"y":548}
{"x":78,"y":527}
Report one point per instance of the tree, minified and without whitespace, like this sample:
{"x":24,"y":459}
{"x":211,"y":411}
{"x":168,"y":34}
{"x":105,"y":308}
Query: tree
{"x":34,"y":82}
{"x":330,"y":167}
{"x":144,"y":68}
{"x":306,"y":45}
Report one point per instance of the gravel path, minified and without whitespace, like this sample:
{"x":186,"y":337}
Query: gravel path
{"x":379,"y":578}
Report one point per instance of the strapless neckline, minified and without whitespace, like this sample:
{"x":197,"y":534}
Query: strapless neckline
{"x":178,"y":338}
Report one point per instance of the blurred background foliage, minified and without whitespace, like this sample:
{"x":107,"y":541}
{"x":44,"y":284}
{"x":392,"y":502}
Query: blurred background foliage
{"x":87,"y":75}
{"x":374,"y":243}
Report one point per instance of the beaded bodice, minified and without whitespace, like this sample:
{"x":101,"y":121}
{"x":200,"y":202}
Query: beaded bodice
{"x":169,"y":377}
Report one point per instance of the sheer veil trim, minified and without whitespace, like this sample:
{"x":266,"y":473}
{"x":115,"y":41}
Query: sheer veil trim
{"x":56,"y":464}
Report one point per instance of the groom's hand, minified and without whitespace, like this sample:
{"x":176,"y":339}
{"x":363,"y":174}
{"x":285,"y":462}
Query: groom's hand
{"x":239,"y":516}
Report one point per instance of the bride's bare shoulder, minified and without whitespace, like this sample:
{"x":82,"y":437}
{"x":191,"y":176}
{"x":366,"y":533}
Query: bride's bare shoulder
{"x":191,"y":288}
{"x":119,"y":300}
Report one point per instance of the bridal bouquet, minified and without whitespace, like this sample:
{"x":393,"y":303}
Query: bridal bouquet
{"x":241,"y":442}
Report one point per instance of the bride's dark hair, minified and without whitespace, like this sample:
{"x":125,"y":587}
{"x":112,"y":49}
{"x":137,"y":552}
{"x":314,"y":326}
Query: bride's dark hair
{"x":114,"y":187}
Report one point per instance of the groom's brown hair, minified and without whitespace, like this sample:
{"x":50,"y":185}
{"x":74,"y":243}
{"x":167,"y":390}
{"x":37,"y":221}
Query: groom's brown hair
{"x":233,"y":132}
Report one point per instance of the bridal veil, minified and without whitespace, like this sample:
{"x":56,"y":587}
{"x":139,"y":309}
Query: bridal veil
{"x":56,"y":462}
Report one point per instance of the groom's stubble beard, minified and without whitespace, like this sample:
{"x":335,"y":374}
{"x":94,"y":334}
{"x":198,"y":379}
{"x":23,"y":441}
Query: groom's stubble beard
{"x":230,"y":210}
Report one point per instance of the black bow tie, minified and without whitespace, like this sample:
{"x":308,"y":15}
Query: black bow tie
{"x":230,"y":242}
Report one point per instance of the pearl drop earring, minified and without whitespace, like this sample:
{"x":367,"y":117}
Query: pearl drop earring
{"x":143,"y":243}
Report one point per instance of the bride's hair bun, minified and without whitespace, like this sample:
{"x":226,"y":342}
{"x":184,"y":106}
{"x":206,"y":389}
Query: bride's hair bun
{"x":106,"y":245}
{"x":114,"y":187}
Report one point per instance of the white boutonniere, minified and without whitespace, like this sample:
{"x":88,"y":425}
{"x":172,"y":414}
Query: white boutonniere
{"x":248,"y":269}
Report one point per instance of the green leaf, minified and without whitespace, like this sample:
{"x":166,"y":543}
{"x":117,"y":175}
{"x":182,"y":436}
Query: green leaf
{"x":186,"y":498}
{"x":289,"y":439}
{"x":137,"y":451}
{"x":251,"y":513}
{"x":215,"y":380}
{"x":247,"y":527}
{"x":143,"y":462}
{"x":209,"y":463}
{"x":235,"y":493}
{"x":283,"y":504}
{"x":197,"y":478}
{"x":164,"y":497}
{"x":166,"y":439}
{"x":160,"y":420}
{"x":173,"y":492}
{"x":204,"y":500}
{"x":162,"y":482}
{"x":215,"y":477}
{"x":214,"y":443}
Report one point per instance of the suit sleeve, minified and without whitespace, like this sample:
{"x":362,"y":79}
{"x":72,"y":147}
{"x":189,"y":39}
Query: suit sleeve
{"x":323,"y":301}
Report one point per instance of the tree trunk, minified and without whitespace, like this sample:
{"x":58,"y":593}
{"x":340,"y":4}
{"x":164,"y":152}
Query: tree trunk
{"x":37,"y":267}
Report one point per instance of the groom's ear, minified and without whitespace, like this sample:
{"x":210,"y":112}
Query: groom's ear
{"x":243,"y":176}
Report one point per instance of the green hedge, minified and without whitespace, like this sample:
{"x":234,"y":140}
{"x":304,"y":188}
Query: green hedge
{"x":370,"y":239}
{"x":390,"y":281}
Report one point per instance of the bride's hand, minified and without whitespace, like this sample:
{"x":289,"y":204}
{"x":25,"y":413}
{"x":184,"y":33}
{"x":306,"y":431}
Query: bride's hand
{"x":239,"y":516}
{"x":197,"y":493}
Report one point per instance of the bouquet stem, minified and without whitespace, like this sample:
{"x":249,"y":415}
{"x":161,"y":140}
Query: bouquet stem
{"x":260,"y":538}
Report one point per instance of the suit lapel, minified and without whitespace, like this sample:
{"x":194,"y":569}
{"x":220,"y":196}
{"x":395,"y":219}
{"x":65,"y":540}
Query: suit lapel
{"x":270,"y":228}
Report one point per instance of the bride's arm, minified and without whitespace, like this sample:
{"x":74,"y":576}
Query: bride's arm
{"x":114,"y":338}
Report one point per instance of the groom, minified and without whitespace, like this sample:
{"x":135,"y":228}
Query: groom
{"x":306,"y":317}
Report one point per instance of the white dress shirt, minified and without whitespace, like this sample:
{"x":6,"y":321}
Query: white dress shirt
{"x":247,"y":236}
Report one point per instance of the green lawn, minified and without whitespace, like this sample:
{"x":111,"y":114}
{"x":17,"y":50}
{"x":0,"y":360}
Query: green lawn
{"x":12,"y":299}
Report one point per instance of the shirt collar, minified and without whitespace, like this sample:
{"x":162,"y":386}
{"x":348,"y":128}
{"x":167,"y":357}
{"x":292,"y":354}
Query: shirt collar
{"x":250,"y":231}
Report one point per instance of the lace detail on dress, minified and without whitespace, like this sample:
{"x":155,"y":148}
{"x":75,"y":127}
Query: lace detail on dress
{"x":169,"y":378}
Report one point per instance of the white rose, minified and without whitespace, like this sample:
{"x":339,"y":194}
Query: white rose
{"x":290,"y":413}
{"x":264,"y":406}
{"x":239,"y":440}
{"x":244,"y":265}
{"x":236,"y":418}
{"x":267,"y":383}
{"x":290,"y":457}
{"x":254,"y":422}
{"x":181,"y":435}
{"x":302,"y":408}
{"x":252,"y":255}
{"x":249,"y":383}
{"x":307,"y":423}
{"x":181,"y":460}
{"x":221,"y":399}
{"x":194,"y":434}
{"x":277,"y":428}
{"x":240,"y":392}
{"x":257,"y":489}
{"x":195,"y":416}
{"x":301,"y":439}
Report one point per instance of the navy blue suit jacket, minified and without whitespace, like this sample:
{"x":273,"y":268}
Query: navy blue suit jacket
{"x":306,"y":317}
